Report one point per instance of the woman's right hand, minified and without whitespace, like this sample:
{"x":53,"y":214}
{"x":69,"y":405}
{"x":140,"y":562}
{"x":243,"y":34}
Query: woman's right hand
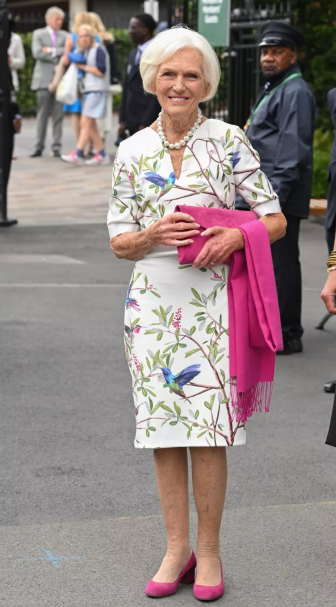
{"x":175,"y":230}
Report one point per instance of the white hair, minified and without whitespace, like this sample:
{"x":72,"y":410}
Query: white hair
{"x":168,"y":43}
{"x":54,"y":10}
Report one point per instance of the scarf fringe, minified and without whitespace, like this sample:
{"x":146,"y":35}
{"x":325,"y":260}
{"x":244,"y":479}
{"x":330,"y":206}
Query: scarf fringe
{"x":257,"y":398}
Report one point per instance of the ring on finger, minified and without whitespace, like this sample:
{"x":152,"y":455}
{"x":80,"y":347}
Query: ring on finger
{"x":212,"y":263}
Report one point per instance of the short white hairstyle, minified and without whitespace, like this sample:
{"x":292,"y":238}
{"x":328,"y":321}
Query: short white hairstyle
{"x":168,"y":43}
{"x":54,"y":10}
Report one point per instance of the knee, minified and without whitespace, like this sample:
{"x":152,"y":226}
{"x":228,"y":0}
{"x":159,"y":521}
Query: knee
{"x":85,"y":122}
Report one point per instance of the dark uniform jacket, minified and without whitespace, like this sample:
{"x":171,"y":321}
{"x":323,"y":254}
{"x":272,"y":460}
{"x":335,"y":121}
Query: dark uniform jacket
{"x":331,"y":211}
{"x":282,"y":132}
{"x":137,"y":107}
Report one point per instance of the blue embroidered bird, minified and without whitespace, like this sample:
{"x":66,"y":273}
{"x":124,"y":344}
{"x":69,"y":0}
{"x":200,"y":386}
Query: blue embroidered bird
{"x":176,"y":382}
{"x":235,"y":158}
{"x":166,"y":184}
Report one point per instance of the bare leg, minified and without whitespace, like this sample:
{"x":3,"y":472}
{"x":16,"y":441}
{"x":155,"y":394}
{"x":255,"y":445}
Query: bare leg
{"x":98,"y":142}
{"x":75,"y":118}
{"x":209,"y":475}
{"x":171,"y":468}
{"x":85,"y":131}
{"x":88,"y":131}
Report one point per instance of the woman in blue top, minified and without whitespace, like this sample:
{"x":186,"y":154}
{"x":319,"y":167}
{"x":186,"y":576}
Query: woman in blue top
{"x":75,"y":109}
{"x":93,"y":62}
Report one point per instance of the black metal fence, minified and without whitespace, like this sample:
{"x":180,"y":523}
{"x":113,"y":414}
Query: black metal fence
{"x":241,"y":77}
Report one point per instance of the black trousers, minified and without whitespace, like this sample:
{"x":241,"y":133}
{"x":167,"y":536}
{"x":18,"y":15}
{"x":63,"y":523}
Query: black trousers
{"x":331,"y":438}
{"x":287,"y":268}
{"x":330,"y":236}
{"x":8,"y":157}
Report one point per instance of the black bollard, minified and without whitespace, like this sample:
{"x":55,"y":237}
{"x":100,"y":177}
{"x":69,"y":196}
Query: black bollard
{"x":4,"y":113}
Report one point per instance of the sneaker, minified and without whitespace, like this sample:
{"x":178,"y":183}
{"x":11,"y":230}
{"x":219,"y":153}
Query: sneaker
{"x":72,"y":158}
{"x":98,"y":159}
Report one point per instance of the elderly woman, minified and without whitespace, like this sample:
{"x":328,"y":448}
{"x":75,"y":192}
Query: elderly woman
{"x":176,"y":319}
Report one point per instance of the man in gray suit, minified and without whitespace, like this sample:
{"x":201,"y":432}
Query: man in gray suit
{"x":47,"y":48}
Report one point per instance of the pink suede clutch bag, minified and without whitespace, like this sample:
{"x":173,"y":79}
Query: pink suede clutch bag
{"x":209,"y":218}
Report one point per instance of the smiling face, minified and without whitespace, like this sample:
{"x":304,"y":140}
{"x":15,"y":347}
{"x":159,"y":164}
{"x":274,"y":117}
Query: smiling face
{"x":180,"y":83}
{"x":275,"y":59}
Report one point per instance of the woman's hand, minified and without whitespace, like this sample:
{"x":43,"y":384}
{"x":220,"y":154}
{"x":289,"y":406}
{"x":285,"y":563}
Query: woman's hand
{"x":223,"y":243}
{"x":175,"y":230}
{"x":329,"y":293}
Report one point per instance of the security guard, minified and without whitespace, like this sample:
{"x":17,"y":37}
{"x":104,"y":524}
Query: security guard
{"x":281,"y":128}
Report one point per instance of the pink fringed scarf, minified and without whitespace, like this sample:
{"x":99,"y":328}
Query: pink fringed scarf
{"x":254,"y":319}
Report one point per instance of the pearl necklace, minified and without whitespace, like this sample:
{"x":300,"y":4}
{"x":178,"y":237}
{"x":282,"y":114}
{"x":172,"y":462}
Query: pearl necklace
{"x":183,"y":141}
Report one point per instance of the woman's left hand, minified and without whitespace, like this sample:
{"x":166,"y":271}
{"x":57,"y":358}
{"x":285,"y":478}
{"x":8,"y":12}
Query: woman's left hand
{"x":223,"y":243}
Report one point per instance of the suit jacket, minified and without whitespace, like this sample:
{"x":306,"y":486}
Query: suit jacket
{"x":331,"y":210}
{"x":17,"y":56}
{"x":282,"y":132}
{"x":137,"y":107}
{"x":45,"y":62}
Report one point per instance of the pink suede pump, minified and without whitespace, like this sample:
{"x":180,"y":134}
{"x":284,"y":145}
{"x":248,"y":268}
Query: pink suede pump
{"x":210,"y":593}
{"x":187,"y":576}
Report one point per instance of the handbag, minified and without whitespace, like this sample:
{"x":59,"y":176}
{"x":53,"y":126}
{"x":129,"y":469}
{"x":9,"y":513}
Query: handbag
{"x":67,"y":90}
{"x":209,"y":217}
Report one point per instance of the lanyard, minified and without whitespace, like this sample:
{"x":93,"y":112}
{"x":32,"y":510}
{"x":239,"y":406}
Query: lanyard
{"x":291,"y":77}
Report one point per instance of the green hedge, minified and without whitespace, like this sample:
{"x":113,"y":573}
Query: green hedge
{"x":27,"y":98}
{"x":322,"y":148}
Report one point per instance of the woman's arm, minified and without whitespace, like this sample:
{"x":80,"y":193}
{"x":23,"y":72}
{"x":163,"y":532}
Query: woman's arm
{"x":329,"y":292}
{"x":126,"y":239}
{"x":276,"y":224}
{"x":174,"y":230}
{"x":226,"y":241}
{"x":89,"y":68}
{"x":100,"y":68}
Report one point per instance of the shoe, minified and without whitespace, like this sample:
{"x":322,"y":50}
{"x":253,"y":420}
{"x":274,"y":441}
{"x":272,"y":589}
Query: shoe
{"x":55,"y":154}
{"x":72,"y":158}
{"x":294,"y":346}
{"x":36,"y":154}
{"x":210,"y":593}
{"x":187,"y":576}
{"x":330,"y":387}
{"x":98,"y":159}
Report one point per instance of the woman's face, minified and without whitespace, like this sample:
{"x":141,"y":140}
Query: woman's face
{"x":84,"y":39}
{"x":180,"y":84}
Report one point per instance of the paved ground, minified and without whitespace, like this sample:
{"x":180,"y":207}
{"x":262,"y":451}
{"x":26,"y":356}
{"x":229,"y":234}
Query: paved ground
{"x":47,"y":191}
{"x":73,"y":486}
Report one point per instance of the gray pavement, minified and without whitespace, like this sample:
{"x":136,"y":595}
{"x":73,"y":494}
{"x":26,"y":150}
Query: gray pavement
{"x":71,"y":481}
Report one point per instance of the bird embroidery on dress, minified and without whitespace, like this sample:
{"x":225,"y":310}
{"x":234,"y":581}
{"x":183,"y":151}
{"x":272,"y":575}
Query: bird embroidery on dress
{"x":131,"y":330}
{"x":130,"y":301}
{"x":166,"y":184}
{"x":235,"y":158}
{"x":176,"y":382}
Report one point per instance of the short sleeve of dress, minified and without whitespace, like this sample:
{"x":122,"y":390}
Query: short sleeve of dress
{"x":251,"y":183}
{"x":123,"y":208}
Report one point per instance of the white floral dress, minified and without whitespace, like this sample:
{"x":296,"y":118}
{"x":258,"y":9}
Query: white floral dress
{"x":176,"y":318}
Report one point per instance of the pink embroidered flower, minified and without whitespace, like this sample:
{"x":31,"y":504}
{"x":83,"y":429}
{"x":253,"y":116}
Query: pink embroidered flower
{"x":136,"y":362}
{"x":177,"y":320}
{"x":216,"y":275}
